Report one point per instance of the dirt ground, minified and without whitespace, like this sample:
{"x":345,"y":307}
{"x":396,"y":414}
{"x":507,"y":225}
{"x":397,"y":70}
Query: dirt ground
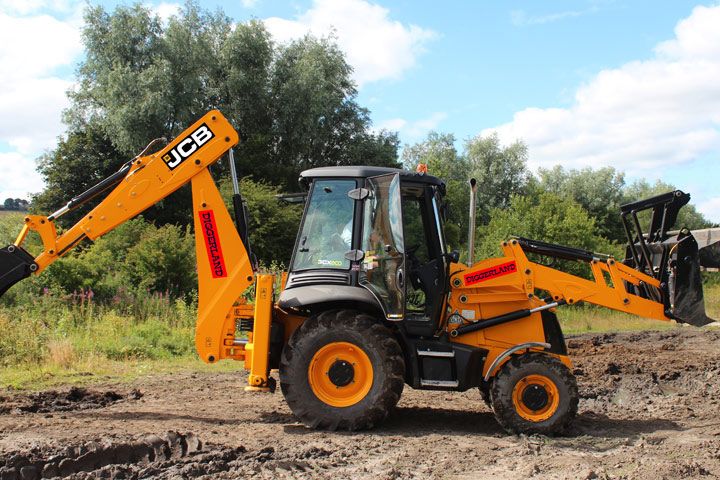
{"x":649,"y":408}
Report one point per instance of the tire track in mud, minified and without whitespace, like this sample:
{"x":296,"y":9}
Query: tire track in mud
{"x":173,"y":455}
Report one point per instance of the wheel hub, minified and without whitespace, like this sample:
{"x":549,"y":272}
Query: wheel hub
{"x":535,"y":397}
{"x":341,"y":373}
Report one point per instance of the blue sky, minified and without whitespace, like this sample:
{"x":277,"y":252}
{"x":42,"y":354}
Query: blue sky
{"x":632,"y":85}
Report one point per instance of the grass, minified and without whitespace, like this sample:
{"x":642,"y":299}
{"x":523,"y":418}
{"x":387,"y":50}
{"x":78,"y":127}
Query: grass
{"x":54,"y":341}
{"x":97,"y":369}
{"x":587,"y":318}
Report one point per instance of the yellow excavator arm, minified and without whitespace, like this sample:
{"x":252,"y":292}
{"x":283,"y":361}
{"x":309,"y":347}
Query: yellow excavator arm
{"x":141,"y":183}
{"x":225,"y":269}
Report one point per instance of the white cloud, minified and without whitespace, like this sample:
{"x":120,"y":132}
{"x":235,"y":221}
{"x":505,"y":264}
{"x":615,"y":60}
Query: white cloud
{"x":33,"y":49}
{"x":413,"y":130}
{"x":18,"y":176}
{"x":24,"y":7}
{"x":35,"y":46}
{"x":249,"y":3}
{"x":710,"y":208}
{"x":520,"y":18}
{"x":376,"y":46}
{"x":643,"y":115}
{"x":165,"y":10}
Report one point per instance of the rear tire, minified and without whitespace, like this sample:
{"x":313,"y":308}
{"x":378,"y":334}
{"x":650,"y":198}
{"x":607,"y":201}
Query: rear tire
{"x":342,"y":370}
{"x":534,"y":393}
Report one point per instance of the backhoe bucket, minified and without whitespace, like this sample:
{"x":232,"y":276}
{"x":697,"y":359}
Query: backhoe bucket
{"x":15,"y":264}
{"x":673,"y":258}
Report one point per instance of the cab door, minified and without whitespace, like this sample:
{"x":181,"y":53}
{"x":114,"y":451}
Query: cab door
{"x":382,"y":270}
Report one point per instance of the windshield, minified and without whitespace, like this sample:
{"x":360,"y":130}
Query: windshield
{"x":326,"y":233}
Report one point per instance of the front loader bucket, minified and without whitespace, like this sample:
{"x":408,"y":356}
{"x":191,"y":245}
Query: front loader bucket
{"x":673,"y":258}
{"x":685,"y":283}
{"x":15,"y":264}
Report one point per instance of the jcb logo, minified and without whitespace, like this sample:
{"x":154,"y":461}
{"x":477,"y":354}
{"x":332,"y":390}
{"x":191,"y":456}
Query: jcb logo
{"x":188,"y":146}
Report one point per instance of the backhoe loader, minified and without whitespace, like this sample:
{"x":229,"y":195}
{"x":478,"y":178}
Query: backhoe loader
{"x":372,"y":299}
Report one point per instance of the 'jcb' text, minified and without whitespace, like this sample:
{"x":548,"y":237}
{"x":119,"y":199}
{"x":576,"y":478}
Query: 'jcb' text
{"x":187,"y":146}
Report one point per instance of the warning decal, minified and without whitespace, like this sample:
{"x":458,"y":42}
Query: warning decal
{"x":490,"y":273}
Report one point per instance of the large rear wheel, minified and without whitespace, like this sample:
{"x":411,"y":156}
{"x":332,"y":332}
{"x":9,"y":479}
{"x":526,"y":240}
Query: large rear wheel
{"x":534,"y":393}
{"x":342,"y":370}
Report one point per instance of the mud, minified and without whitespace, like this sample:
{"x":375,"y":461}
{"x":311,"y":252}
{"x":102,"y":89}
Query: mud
{"x":649,"y":408}
{"x":75,"y":398}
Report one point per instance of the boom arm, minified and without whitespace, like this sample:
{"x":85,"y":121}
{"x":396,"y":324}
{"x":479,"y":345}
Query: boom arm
{"x":224,"y":267}
{"x":148,"y":180}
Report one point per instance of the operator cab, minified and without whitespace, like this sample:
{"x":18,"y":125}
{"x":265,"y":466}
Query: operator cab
{"x":371,"y":239}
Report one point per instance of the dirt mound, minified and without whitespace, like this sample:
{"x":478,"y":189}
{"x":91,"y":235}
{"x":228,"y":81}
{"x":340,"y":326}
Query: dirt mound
{"x":54,"y":401}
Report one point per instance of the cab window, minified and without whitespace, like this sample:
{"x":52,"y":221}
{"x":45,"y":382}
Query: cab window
{"x":326,"y":232}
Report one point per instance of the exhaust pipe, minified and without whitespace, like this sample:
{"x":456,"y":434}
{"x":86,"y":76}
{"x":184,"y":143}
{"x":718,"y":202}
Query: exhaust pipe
{"x":471,"y":223}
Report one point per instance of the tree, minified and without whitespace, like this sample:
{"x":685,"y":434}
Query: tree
{"x":501,"y":172}
{"x":294,"y":105}
{"x":439,"y":153}
{"x":81,"y":159}
{"x":9,"y":204}
{"x":546,"y":217}
{"x":688,"y":217}
{"x":599,"y":192}
{"x":272,"y":225}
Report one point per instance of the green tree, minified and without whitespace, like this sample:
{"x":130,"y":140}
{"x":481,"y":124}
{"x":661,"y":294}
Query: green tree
{"x":294,"y":105}
{"x":688,"y":217}
{"x":599,"y":192}
{"x":81,"y":159}
{"x":273,"y":224}
{"x":501,"y":172}
{"x":439,"y":153}
{"x":546,"y":217}
{"x":163,"y":261}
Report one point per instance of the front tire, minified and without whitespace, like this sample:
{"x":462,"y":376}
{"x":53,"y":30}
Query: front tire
{"x":534,"y":393}
{"x":342,"y":370}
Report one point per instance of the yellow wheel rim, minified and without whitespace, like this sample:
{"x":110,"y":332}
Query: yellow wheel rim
{"x":340,"y":374}
{"x":536,"y":398}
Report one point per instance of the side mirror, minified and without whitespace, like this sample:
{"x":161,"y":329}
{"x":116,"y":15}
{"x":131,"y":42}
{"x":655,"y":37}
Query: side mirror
{"x":453,"y":256}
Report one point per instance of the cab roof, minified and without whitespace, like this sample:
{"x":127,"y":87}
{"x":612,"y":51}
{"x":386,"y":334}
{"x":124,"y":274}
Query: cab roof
{"x":365,"y":172}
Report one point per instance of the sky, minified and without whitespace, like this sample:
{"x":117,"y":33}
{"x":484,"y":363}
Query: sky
{"x":630,"y":84}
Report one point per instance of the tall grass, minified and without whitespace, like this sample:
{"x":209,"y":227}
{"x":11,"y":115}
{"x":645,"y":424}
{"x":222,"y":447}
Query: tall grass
{"x":53,"y":330}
